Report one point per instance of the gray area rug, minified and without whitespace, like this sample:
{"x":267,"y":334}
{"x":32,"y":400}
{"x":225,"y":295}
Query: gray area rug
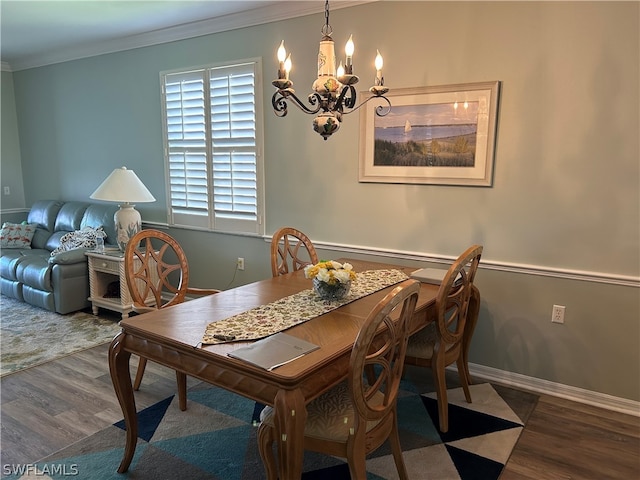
{"x":31,"y":336}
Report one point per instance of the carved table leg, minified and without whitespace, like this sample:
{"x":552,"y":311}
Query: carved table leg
{"x":121,"y":378}
{"x":290,"y":419}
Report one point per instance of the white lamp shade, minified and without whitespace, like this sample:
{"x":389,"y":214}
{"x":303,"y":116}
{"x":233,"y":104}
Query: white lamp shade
{"x":123,"y":186}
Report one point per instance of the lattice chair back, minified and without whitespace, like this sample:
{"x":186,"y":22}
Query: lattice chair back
{"x":291,"y":250}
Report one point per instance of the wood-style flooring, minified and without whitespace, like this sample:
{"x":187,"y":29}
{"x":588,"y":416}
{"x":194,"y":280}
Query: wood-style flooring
{"x":51,"y":406}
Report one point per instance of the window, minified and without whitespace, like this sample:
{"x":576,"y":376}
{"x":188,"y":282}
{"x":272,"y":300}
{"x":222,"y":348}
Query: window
{"x":213,"y":145}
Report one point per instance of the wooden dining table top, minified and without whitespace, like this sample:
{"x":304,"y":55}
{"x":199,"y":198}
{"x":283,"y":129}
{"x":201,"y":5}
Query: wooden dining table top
{"x":184,"y":325}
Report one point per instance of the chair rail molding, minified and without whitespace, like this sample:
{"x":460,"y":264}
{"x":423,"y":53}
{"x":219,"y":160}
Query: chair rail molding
{"x":540,"y":270}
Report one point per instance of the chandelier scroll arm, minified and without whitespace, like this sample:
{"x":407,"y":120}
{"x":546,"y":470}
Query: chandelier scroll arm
{"x":280,"y":97}
{"x":381,"y":110}
{"x":279,"y":103}
{"x":347,"y":96}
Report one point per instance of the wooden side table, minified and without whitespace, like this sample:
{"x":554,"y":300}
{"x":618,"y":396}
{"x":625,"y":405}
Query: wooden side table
{"x":105,"y":269}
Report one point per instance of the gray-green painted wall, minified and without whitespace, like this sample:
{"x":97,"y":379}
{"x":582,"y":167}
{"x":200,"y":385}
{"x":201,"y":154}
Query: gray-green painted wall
{"x":565,"y":197}
{"x":10,"y":168}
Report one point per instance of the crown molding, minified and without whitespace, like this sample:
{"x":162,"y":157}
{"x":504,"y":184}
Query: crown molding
{"x":234,"y":21}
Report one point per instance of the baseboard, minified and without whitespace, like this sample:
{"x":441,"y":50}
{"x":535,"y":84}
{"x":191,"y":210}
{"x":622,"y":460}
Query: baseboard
{"x":580,"y":395}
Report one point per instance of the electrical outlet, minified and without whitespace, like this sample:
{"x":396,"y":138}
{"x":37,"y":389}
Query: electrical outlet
{"x":557,"y":314}
{"x":7,"y":191}
{"x":240,"y":263}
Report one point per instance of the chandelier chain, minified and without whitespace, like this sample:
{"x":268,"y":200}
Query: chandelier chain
{"x":326,"y":28}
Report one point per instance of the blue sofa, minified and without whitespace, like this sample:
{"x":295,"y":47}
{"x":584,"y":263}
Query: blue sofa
{"x":59,"y":282}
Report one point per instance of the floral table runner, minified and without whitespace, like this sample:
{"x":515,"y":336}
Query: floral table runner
{"x":287,"y":312}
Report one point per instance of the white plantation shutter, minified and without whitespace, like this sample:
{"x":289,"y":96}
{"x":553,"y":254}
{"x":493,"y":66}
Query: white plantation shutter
{"x":212,"y":149}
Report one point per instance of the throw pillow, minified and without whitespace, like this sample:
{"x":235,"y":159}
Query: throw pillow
{"x":17,"y":235}
{"x":85,"y":238}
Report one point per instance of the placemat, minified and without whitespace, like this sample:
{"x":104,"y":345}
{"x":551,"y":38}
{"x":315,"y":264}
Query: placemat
{"x":287,"y":312}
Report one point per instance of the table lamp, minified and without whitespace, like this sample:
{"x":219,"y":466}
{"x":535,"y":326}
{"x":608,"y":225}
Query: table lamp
{"x":124,"y":186}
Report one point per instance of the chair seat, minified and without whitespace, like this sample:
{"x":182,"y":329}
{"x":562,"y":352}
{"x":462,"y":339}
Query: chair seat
{"x":330,"y":416}
{"x":422,"y":343}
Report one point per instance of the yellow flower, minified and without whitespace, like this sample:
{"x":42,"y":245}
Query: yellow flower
{"x":331,"y":272}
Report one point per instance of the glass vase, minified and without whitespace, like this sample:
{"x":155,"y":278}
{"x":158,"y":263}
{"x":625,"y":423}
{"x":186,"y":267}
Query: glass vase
{"x":327,"y":291}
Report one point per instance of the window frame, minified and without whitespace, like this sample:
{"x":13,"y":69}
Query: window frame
{"x":212,"y":220}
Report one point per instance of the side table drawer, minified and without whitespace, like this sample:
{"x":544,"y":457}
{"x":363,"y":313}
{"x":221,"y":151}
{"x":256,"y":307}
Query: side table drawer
{"x":107,"y":270}
{"x":103,"y":265}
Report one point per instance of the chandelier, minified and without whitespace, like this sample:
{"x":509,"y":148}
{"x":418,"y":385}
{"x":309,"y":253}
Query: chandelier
{"x":333,"y":90}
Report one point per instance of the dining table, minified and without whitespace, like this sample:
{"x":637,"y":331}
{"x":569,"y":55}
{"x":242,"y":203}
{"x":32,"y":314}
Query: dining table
{"x":173,"y":337}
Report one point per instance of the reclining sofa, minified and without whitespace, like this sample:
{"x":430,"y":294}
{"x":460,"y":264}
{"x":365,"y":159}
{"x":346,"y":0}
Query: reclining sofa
{"x":59,"y":282}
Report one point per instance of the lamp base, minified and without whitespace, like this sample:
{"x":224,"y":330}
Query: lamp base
{"x":128,"y":222}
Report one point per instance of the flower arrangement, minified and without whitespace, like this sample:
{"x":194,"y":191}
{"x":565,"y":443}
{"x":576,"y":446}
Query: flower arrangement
{"x":330,"y":272}
{"x":331,"y":280}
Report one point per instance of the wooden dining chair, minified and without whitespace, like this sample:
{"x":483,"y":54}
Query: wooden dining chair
{"x":358,"y":415}
{"x":157,"y":274}
{"x":291,"y":250}
{"x":445,"y":341}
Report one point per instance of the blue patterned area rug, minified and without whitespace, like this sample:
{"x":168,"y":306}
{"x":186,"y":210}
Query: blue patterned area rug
{"x":216,"y":439}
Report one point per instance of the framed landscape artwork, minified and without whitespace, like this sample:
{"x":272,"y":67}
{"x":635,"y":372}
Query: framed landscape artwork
{"x":433,"y":135}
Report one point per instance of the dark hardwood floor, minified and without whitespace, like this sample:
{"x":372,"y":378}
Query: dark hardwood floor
{"x":51,"y":406}
{"x":569,"y":440}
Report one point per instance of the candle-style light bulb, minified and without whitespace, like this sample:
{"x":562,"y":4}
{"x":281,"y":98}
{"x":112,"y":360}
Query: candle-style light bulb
{"x":282,"y":54}
{"x":287,"y":66}
{"x":378,"y":64}
{"x":340,"y":71}
{"x":348,"y":49}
